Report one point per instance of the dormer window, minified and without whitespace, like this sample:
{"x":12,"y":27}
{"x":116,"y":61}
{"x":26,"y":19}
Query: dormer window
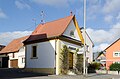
{"x":72,"y":33}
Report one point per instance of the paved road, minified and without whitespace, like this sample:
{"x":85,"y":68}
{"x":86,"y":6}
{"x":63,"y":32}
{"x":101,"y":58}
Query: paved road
{"x":17,"y":73}
{"x":91,"y":76}
{"x":20,"y":74}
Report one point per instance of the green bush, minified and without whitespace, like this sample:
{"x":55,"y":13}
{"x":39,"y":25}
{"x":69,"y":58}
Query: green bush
{"x":94,"y":65}
{"x":64,"y":60}
{"x":115,"y":67}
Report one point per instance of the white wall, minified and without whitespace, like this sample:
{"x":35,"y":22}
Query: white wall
{"x":70,"y":45}
{"x":17,"y":55}
{"x":71,"y":27}
{"x":11,"y":58}
{"x":76,"y":36}
{"x":45,"y":54}
{"x":89,"y":54}
{"x":21,"y":58}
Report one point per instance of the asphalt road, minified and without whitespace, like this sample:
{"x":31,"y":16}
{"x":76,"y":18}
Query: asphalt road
{"x":20,"y":74}
{"x":17,"y":73}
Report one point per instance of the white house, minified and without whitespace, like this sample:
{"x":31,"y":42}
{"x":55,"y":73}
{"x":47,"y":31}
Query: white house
{"x":44,"y":46}
{"x":89,"y":46}
{"x":15,"y":50}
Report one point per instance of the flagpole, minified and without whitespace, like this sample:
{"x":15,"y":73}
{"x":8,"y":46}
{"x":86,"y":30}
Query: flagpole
{"x":84,"y":53}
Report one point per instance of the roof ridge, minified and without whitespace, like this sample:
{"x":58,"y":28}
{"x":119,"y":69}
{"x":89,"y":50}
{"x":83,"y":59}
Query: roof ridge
{"x":57,"y":19}
{"x":111,"y":44}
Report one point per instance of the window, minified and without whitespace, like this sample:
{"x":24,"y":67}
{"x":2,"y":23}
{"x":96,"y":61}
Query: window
{"x":116,"y":54}
{"x":117,"y":62}
{"x":34,"y":51}
{"x":72,"y":33}
{"x":23,"y":60}
{"x":13,"y":55}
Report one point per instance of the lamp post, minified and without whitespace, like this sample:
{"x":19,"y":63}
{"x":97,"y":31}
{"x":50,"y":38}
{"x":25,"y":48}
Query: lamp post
{"x":84,"y":53}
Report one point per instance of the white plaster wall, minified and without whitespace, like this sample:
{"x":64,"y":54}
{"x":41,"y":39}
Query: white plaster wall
{"x":21,"y":55}
{"x":90,"y":49}
{"x":18,"y":55}
{"x":11,"y":57}
{"x":72,"y":27}
{"x":89,"y":54}
{"x":45,"y":54}
{"x":70,"y":44}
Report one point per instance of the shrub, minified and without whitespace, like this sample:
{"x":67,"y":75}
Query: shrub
{"x":115,"y":67}
{"x":94,"y":65}
{"x":79,"y":63}
{"x":64,"y":59}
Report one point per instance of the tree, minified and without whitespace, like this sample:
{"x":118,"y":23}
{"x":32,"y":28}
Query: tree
{"x":64,"y":59}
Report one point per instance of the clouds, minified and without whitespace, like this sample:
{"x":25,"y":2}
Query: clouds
{"x":102,"y":38}
{"x":2,"y":14}
{"x":7,"y":37}
{"x":100,"y":47}
{"x":108,"y":18}
{"x":22,"y":5}
{"x":111,"y":6}
{"x":54,"y":3}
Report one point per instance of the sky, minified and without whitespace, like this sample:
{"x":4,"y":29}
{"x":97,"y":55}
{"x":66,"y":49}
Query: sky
{"x":19,"y":18}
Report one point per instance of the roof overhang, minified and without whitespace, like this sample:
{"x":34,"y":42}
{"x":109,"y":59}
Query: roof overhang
{"x":62,"y":37}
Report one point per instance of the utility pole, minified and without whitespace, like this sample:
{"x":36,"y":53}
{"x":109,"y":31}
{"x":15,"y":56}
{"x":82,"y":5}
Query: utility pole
{"x":84,"y":53}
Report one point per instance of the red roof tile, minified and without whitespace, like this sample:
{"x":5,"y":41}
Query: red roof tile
{"x":14,"y":45}
{"x":50,"y":29}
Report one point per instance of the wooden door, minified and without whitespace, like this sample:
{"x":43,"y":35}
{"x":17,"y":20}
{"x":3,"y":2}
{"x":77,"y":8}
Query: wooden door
{"x":70,"y":60}
{"x":14,"y":63}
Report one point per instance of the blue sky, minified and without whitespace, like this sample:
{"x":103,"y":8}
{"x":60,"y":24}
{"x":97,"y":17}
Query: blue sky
{"x":103,"y":18}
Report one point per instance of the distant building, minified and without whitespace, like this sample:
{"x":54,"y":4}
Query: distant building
{"x":101,"y":59}
{"x":15,"y":53}
{"x":3,"y":58}
{"x":113,"y":53}
{"x":1,"y":47}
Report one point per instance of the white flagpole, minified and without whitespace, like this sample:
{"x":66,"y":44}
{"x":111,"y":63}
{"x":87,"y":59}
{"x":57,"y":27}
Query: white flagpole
{"x":84,"y":54}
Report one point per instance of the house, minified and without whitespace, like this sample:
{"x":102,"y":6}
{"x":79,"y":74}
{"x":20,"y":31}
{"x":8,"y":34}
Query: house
{"x":3,"y":58}
{"x":15,"y":51}
{"x":89,"y":47}
{"x":101,"y":58}
{"x":113,"y":53}
{"x":44,"y":45}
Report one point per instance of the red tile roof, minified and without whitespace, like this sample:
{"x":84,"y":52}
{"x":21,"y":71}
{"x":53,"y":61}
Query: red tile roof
{"x":14,"y":45}
{"x":112,"y":44}
{"x":50,"y":29}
